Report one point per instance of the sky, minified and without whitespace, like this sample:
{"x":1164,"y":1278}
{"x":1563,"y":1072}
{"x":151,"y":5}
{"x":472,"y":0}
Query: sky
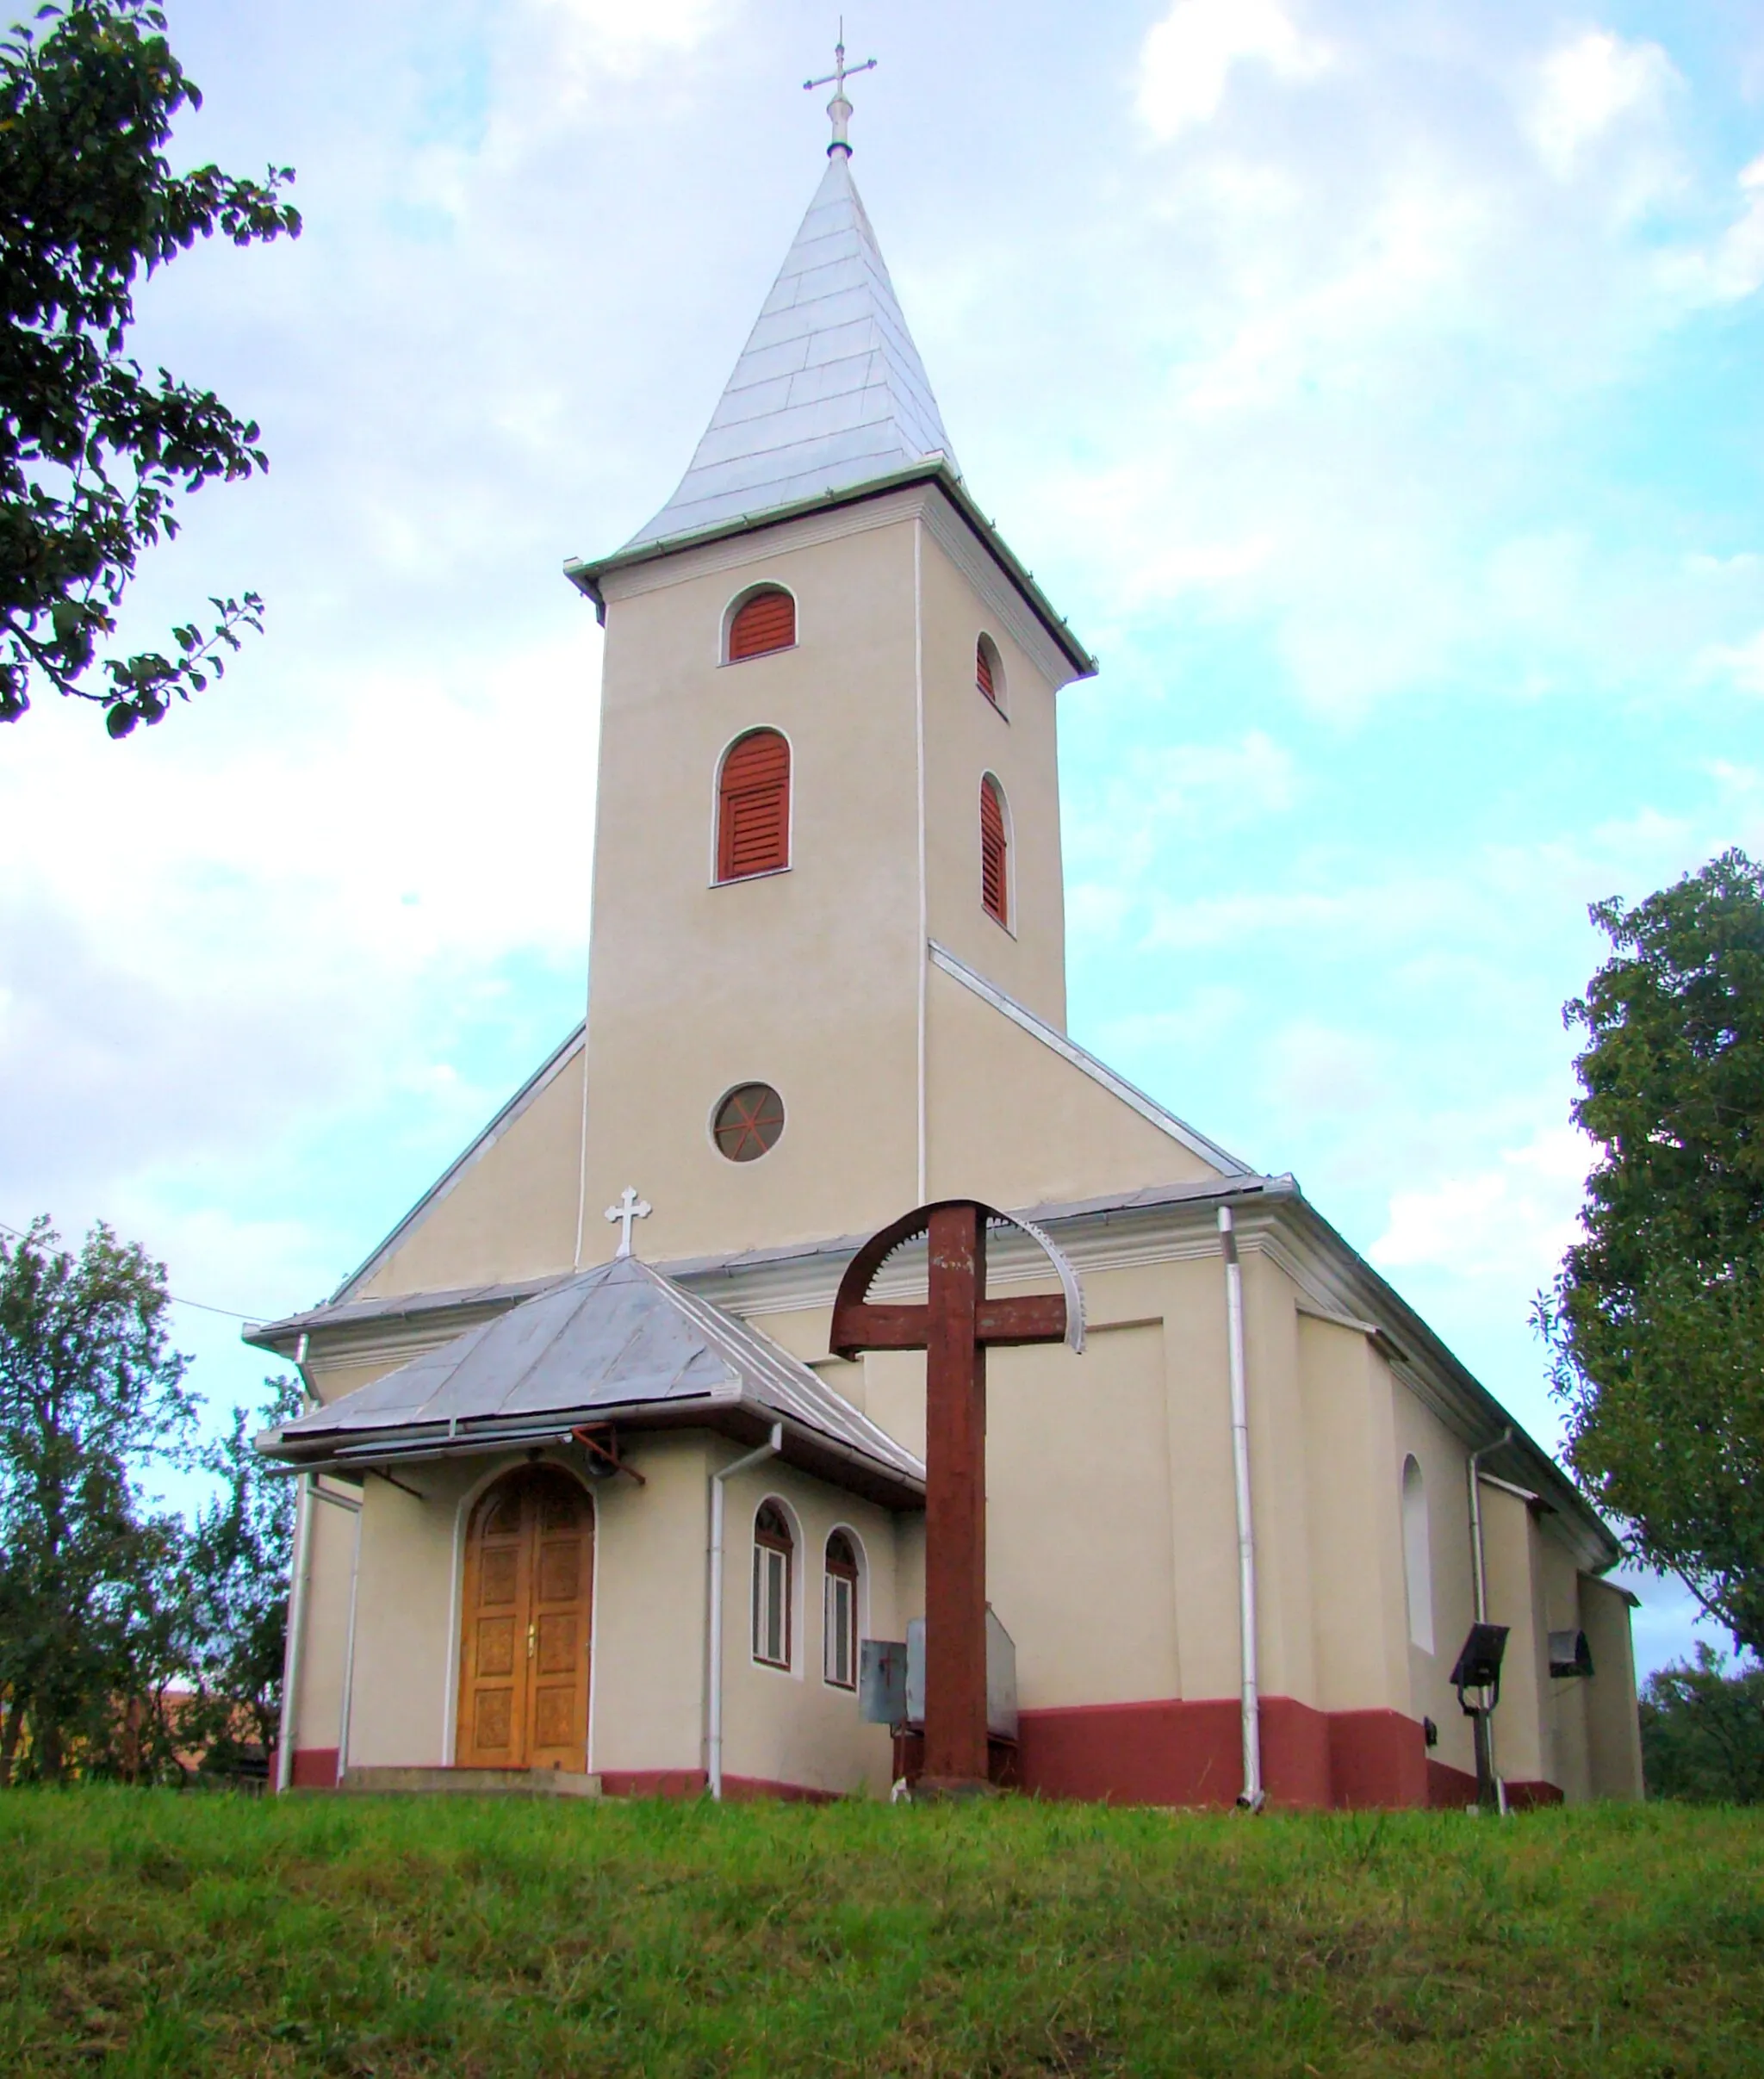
{"x":1376,"y":387}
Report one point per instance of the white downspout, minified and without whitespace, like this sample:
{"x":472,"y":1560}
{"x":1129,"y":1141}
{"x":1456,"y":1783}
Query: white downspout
{"x":923,"y":951}
{"x":355,"y":1570}
{"x":292,"y":1652}
{"x":1480,"y":1580}
{"x":713,"y":1700}
{"x":342,"y":1501}
{"x":1254,"y":1795}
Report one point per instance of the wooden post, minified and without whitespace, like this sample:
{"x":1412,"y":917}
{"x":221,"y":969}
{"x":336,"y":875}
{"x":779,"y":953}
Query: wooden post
{"x":954,"y":1329}
{"x":955,"y":1504}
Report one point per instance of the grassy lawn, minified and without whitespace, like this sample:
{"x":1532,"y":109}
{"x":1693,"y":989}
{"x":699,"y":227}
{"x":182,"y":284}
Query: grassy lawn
{"x":144,"y":1932}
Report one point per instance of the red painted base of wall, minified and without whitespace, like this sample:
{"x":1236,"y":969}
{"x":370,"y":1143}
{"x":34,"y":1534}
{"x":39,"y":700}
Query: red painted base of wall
{"x":1174,"y":1753}
{"x":1450,"y":1789}
{"x":1527,"y":1797}
{"x":314,"y":1768}
{"x":692,"y":1783}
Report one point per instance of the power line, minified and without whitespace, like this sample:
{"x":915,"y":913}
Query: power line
{"x":201,"y":1306}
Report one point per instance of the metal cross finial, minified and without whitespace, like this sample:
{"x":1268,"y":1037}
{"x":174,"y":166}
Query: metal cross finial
{"x":839,"y":107}
{"x":629,"y":1207}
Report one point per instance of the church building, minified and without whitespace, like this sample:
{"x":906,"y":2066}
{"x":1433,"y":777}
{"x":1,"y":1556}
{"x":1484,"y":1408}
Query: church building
{"x":585,"y":1500}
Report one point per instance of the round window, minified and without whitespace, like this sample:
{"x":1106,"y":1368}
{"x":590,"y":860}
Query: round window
{"x":749,"y":1121}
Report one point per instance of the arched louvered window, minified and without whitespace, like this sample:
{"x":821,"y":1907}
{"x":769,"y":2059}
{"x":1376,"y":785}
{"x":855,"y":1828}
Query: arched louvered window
{"x":994,"y":849}
{"x":752,"y":807}
{"x":765,"y":621}
{"x":774,"y":1554}
{"x":839,"y":1614}
{"x":988,"y":671}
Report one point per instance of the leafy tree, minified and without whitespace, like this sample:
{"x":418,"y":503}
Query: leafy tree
{"x":238,"y":1565}
{"x":1703,"y":1732}
{"x":1656,"y":1319}
{"x":92,"y":1586}
{"x":92,"y":450}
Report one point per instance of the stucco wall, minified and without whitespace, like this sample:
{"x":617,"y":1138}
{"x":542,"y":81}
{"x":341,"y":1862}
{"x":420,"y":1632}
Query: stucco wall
{"x":1013,"y":1123}
{"x":510,"y":1215}
{"x":1080,"y":1566}
{"x":319,"y":1700}
{"x":792,"y":1726}
{"x":691,"y":983}
{"x":1358,"y":1613}
{"x":1613,"y":1731}
{"x":1419,"y":1432}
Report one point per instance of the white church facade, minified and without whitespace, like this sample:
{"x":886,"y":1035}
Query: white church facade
{"x":585,"y":1500}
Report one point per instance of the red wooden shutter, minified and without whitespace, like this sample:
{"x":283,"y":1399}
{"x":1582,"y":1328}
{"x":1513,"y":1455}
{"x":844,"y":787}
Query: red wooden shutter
{"x":766,"y":622}
{"x":994,"y":888}
{"x":983,"y":672}
{"x":752,"y":808}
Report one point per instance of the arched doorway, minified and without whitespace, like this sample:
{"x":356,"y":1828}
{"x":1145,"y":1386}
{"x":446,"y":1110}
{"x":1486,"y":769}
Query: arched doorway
{"x":524,"y":1624}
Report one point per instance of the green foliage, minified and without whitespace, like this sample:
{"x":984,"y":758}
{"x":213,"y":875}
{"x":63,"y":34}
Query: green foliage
{"x":1703,"y":1732}
{"x":91,"y":1394}
{"x":129,"y":1644}
{"x":223,"y":1935}
{"x":238,"y":1565}
{"x":1656,"y":1321}
{"x":92,"y":450}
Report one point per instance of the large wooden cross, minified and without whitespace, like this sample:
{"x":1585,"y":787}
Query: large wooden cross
{"x":955,"y":1328}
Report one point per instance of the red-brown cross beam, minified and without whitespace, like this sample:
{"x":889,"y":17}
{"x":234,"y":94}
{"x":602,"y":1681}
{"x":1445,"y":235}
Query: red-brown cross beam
{"x":954,"y":1328}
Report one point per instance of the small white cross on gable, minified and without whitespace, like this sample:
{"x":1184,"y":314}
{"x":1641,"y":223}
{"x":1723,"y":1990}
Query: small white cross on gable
{"x":629,"y":1207}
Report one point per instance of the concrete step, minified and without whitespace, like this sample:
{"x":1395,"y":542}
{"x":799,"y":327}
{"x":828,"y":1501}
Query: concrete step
{"x":477,"y":1783}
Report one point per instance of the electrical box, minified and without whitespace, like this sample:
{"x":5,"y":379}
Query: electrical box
{"x":882,"y":1681}
{"x":1001,"y":1676}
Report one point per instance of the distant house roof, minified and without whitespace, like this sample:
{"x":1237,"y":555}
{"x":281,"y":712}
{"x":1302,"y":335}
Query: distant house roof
{"x":621,"y":1344}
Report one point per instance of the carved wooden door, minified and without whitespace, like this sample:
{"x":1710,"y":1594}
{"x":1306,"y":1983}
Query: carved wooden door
{"x":524,"y":1642}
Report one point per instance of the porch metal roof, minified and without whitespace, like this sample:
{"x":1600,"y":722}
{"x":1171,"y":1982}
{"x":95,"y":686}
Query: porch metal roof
{"x":621,"y":1341}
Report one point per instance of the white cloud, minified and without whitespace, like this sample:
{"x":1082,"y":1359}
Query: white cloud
{"x":1741,"y":663}
{"x":1586,"y":87}
{"x":1510,"y":1220}
{"x":1737,"y":269}
{"x":1188,"y":58}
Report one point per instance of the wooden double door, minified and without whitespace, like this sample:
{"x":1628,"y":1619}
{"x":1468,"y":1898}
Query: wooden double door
{"x":524,"y":1642}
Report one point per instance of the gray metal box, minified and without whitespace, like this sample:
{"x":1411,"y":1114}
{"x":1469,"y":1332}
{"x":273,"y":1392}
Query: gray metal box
{"x":882,"y":1681}
{"x":1001,"y":1676}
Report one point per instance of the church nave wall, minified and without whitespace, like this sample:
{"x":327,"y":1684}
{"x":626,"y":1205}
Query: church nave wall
{"x":510,"y":1211}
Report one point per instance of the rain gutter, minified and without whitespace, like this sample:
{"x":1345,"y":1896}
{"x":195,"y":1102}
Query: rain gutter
{"x":713,"y":1695}
{"x":293,"y":1652}
{"x":1253,"y":1796}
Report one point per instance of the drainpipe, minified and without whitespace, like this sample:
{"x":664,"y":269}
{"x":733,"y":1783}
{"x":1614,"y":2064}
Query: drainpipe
{"x":1485,"y":1725}
{"x":292,"y":1652}
{"x":355,"y":1570}
{"x":1254,"y":1795}
{"x":713,"y":1703}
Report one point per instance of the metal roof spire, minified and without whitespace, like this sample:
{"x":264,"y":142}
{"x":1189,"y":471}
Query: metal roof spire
{"x":829,"y":393}
{"x":839,"y":108}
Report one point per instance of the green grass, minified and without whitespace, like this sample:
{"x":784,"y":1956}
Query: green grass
{"x":146,"y":1933}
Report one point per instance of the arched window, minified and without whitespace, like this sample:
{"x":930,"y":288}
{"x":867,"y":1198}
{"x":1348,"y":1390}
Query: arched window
{"x":995,"y":850}
{"x":839,"y":1614}
{"x":774,"y":1553}
{"x":988,"y":671}
{"x":765,"y":621}
{"x":1417,"y":1556}
{"x":752,"y":807}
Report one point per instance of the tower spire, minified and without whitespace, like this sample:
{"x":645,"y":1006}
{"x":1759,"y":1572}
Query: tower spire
{"x":839,"y":108}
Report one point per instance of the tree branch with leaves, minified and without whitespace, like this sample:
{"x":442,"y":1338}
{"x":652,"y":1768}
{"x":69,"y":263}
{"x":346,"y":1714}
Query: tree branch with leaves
{"x":93,"y":451}
{"x":1656,"y":1322}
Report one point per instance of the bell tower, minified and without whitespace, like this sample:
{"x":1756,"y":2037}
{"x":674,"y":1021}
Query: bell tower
{"x":827,"y":757}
